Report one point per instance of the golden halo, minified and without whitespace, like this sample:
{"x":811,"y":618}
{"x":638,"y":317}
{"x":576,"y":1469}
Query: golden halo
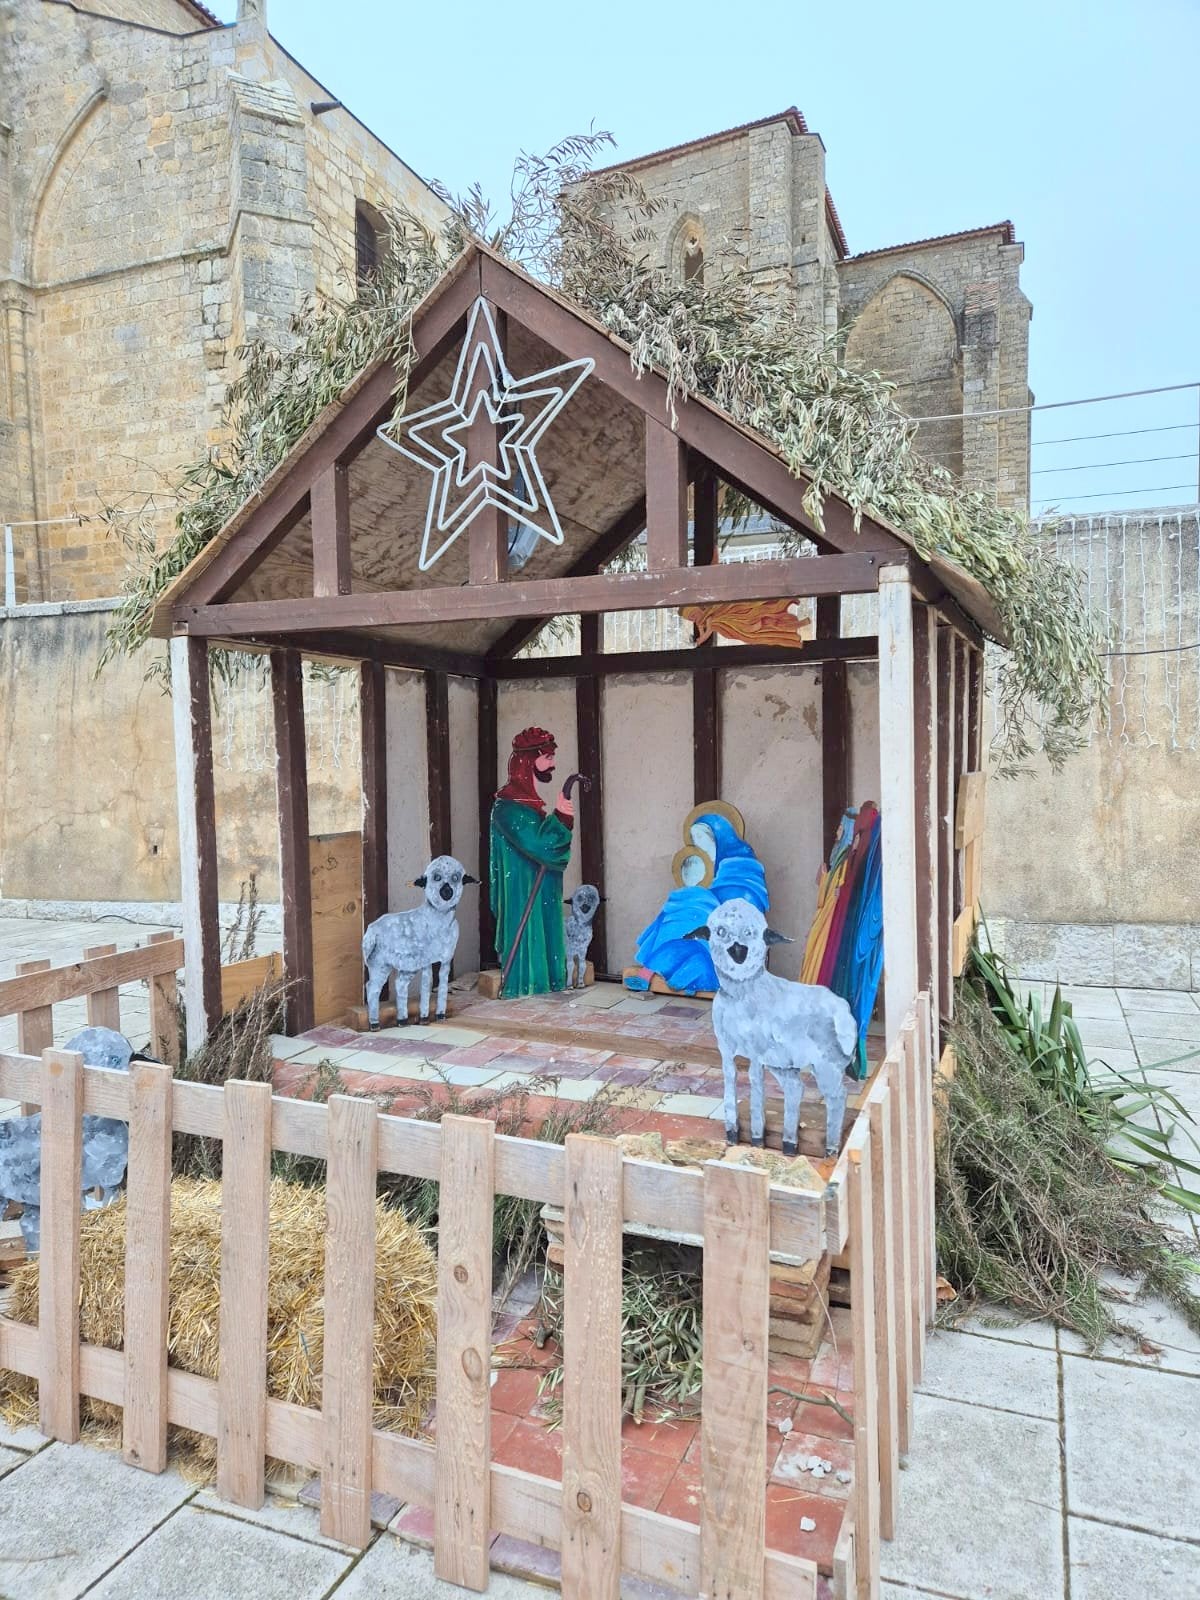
{"x":720,"y":808}
{"x":689,"y":852}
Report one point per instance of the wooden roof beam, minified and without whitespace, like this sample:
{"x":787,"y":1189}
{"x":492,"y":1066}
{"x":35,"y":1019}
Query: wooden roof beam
{"x":688,"y":658}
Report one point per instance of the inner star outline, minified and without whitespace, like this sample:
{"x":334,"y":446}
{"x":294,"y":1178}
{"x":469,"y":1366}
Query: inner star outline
{"x":520,"y":408}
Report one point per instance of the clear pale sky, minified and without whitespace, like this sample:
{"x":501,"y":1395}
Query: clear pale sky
{"x":1077,"y":121}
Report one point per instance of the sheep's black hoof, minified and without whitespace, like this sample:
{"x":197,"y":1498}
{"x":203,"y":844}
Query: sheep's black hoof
{"x":790,"y":1148}
{"x":374,"y":1027}
{"x":440,"y":1016}
{"x":731,"y":1136}
{"x":760,"y":1143}
{"x":402,"y":1022}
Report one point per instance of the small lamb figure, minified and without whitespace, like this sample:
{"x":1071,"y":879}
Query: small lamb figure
{"x":404,"y":943}
{"x":584,"y":904}
{"x":790,"y":1028}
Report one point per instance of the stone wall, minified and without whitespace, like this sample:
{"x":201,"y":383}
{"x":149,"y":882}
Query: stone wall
{"x":1091,"y":873}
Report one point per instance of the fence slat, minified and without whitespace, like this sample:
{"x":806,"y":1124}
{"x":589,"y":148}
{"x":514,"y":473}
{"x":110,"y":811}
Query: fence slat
{"x":733,"y":1440}
{"x":901,"y":1246}
{"x":164,"y":1011}
{"x":147,"y":1267}
{"x":242,"y":1371}
{"x":866,"y":1422}
{"x":348,"y":1388}
{"x":462,"y":1510}
{"x":58,"y":1276}
{"x":103,"y":1005}
{"x":591,"y":1496}
{"x":883,"y":1195}
{"x":917,"y":1264}
{"x":35,"y":1027}
{"x":925,"y":1092}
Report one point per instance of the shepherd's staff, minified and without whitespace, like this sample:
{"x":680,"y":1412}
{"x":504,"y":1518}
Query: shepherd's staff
{"x":575,"y":777}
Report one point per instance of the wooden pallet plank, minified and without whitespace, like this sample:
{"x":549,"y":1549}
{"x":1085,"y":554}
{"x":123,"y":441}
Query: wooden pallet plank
{"x":733,"y":1441}
{"x":591,"y":1502}
{"x":43,"y":985}
{"x":901,"y":1247}
{"x":898,"y":810}
{"x":866,"y":1424}
{"x":147,"y":1267}
{"x":103,"y":1005}
{"x":917,"y":1264}
{"x":969,"y":808}
{"x":35,"y":1025}
{"x":164,"y":1009}
{"x":883,"y":1192}
{"x":348,"y":1386}
{"x":242,"y":1380}
{"x":929,"y":1183}
{"x":58,"y":1275}
{"x":461,"y":1514}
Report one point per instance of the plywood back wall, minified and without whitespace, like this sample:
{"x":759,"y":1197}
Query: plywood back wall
{"x":464,"y":811}
{"x":863,"y":678}
{"x":408,"y":787}
{"x":542,"y":705}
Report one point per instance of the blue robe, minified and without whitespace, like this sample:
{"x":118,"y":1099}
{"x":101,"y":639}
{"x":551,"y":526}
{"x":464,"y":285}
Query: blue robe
{"x":664,"y":947}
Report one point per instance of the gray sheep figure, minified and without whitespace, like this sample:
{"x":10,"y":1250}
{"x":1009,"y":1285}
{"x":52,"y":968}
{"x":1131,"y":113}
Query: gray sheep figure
{"x":404,"y":943}
{"x":584,"y":904}
{"x":789,"y":1028}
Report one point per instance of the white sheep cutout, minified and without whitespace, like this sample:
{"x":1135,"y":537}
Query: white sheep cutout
{"x":789,"y":1028}
{"x":405,"y":943}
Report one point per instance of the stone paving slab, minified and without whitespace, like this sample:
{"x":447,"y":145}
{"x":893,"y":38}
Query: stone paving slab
{"x":1010,"y":1377}
{"x":286,"y":1515}
{"x":1181,"y":1000}
{"x":1165,"y":1025}
{"x":70,"y":1513}
{"x":199,"y":1555}
{"x":10,"y":1459}
{"x":1107,"y":1562}
{"x":1153,"y":1051}
{"x":1144,"y":1473}
{"x":981,"y":1511}
{"x":999,"y":1322}
{"x":394,"y":1570}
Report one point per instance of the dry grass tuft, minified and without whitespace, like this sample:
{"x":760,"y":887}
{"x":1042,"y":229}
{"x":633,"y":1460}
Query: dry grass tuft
{"x":405,"y":1317}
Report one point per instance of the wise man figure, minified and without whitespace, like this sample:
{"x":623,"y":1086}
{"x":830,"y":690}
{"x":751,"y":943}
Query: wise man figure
{"x":530,"y":850}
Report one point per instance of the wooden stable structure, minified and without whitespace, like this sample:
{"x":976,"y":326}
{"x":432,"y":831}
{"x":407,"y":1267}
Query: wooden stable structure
{"x":877,"y":1209}
{"x":324,"y":562}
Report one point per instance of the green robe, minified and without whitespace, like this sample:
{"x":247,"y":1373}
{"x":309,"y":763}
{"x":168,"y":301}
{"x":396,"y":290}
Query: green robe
{"x":522,"y":841}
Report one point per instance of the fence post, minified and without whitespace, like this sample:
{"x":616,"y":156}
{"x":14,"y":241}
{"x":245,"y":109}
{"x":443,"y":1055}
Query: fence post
{"x":901,"y":1244}
{"x":733,"y":1440}
{"x":242,"y":1372}
{"x":348,"y":1386}
{"x":164,"y":1010}
{"x":35,"y":1027}
{"x":925,"y":1092}
{"x":104,"y":1005}
{"x":866,"y":1430}
{"x":883,"y":1195}
{"x":591,"y":1495}
{"x":147,"y":1267}
{"x":918,"y":1265}
{"x":462,"y":1499}
{"x":58,"y":1275}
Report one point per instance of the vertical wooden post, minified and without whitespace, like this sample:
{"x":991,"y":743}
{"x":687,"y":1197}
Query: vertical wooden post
{"x":866,"y":1424}
{"x":918,"y":1260}
{"x":35,"y":1027}
{"x":489,"y":530}
{"x":242,"y":1373}
{"x":925,"y":751}
{"x":437,"y":746}
{"x":666,"y":498}
{"x":925,"y":1069}
{"x":488,"y":739}
{"x":58,"y":1275}
{"x":962,"y":763}
{"x":164,"y":1015}
{"x":946,"y":761}
{"x":589,"y":721}
{"x":591,"y":1480}
{"x":462,"y":1499}
{"x":733,"y":1441}
{"x":835,"y":724}
{"x":291,"y":793}
{"x":147,"y":1267}
{"x":331,"y":531}
{"x":905,"y":1198}
{"x":348,"y":1387}
{"x":883,"y":1194}
{"x":103,"y":1005}
{"x":975,"y":712}
{"x":372,"y":710}
{"x":897,"y":786}
{"x":192,"y":712}
{"x":706,"y":682}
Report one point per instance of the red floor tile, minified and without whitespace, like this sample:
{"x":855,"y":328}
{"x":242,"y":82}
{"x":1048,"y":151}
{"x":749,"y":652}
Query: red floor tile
{"x":516,"y":1391}
{"x":681,"y":1498}
{"x":797,"y":1450}
{"x":644,"y":1477}
{"x":823,"y":1420}
{"x":786,"y":1506}
{"x":533,"y":1448}
{"x":670,"y":1438}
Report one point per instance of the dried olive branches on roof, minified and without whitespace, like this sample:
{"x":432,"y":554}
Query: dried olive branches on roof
{"x":726,"y":338}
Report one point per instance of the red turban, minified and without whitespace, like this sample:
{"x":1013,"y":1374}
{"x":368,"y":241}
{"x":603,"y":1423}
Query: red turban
{"x":522,"y":784}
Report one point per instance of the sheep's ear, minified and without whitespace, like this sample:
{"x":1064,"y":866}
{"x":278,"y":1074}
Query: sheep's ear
{"x":419,"y":883}
{"x":603,"y":899}
{"x":698,"y":933}
{"x":771,"y":937}
{"x":467,"y":878}
{"x":567,"y":900}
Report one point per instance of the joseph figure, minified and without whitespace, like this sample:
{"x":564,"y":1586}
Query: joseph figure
{"x":530,"y":848}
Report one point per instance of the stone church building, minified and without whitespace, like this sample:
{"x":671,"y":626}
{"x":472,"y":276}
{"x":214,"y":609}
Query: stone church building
{"x":171,"y":187}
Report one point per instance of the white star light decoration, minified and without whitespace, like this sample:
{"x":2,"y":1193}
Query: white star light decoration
{"x":521,"y":409}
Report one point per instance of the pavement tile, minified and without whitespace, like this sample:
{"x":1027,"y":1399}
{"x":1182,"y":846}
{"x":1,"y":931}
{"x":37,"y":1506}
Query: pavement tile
{"x":572,"y":1089}
{"x":980,"y":1512}
{"x":1166,"y":1025}
{"x":1085,"y":1001}
{"x":1118,"y":1060}
{"x":669,"y":1438}
{"x":1133,"y":1450}
{"x":296,"y":1516}
{"x":681,"y":1498}
{"x":1154,"y":1051}
{"x":72,"y":1511}
{"x":1012,"y":1377}
{"x":1181,"y":1000}
{"x":27,"y":1440}
{"x":283,"y":1048}
{"x":1108,"y":1561}
{"x":787,"y":1507}
{"x":10,"y":1459}
{"x":645,"y":1476}
{"x":690,"y":1105}
{"x":394,"y":1570}
{"x":1104,"y":1033}
{"x":798,"y":1449}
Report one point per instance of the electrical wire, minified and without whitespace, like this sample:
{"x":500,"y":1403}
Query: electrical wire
{"x":1161,"y":650}
{"x":1109,"y":494}
{"x":1057,"y":405}
{"x":1124,"y":433}
{"x":1133,"y":461}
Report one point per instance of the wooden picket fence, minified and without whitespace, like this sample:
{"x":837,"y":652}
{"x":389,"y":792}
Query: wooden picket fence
{"x":879,"y":1204}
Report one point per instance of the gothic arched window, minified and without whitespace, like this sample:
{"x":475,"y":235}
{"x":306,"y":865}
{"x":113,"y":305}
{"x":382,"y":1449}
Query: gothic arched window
{"x":370,"y":241}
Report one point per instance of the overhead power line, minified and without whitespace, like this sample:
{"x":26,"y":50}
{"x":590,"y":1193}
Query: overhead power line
{"x":1057,"y":405}
{"x":1133,"y":461}
{"x":1123,"y":433}
{"x":1110,"y":494}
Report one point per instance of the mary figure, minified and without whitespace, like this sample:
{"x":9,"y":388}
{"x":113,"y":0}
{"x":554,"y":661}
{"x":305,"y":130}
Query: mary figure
{"x":718,"y":865}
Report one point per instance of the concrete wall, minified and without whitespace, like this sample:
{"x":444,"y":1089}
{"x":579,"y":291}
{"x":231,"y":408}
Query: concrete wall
{"x":1092,"y":873}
